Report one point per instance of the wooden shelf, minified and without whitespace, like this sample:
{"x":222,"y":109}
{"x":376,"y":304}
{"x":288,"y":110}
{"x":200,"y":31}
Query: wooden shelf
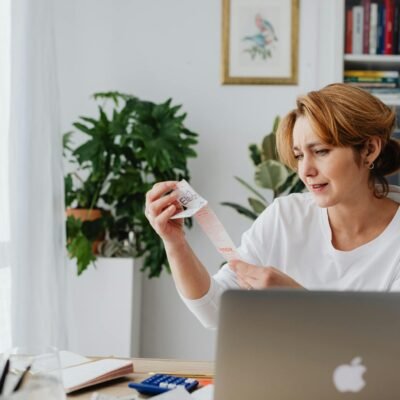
{"x":372,"y":58}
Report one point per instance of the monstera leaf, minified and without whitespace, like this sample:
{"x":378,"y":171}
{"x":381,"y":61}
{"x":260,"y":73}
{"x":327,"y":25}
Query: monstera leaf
{"x":271,"y":174}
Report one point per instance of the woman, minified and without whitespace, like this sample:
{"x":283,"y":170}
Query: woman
{"x":344,"y":234}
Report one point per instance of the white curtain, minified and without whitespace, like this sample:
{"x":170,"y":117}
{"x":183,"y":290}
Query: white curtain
{"x":37,"y":252}
{"x":5,"y":279}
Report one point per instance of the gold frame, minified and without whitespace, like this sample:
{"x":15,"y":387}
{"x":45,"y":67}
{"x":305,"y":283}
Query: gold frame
{"x":227,"y":79}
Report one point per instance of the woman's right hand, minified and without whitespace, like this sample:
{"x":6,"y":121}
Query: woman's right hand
{"x":160,"y":207}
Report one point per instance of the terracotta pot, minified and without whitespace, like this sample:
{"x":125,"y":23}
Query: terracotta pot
{"x":85,"y":214}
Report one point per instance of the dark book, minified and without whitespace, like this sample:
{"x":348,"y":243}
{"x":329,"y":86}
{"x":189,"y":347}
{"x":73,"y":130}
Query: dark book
{"x":396,"y":29}
{"x":381,"y":29}
{"x":367,"y":12}
{"x":389,"y":13}
{"x":349,"y":31}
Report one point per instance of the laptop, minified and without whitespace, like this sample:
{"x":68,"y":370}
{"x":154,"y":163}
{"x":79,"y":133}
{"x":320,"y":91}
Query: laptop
{"x":307,"y":345}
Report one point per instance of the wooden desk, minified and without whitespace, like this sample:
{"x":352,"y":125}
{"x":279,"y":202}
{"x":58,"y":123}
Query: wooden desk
{"x":142,"y":367}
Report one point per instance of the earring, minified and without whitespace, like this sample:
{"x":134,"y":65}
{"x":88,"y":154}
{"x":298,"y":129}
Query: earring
{"x":371,"y":166}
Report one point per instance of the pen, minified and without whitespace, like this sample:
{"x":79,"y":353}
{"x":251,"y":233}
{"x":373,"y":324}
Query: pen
{"x":4,"y":374}
{"x":184,"y":375}
{"x":21,"y":379}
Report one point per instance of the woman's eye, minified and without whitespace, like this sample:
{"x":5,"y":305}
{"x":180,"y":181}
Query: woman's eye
{"x":298,"y":157}
{"x":322,"y":152}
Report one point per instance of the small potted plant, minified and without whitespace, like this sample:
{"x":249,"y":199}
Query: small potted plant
{"x":130,"y":145}
{"x":270,"y":174}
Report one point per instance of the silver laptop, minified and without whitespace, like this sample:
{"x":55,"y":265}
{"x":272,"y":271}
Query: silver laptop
{"x":300,"y":345}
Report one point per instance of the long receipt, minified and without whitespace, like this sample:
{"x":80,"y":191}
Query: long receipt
{"x":195,"y":206}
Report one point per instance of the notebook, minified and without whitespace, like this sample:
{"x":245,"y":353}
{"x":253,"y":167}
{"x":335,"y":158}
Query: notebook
{"x":279,"y":344}
{"x":80,"y":372}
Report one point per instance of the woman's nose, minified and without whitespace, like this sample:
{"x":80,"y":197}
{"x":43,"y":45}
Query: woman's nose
{"x":307,"y":167}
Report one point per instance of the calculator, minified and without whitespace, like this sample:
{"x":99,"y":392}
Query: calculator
{"x":160,"y":383}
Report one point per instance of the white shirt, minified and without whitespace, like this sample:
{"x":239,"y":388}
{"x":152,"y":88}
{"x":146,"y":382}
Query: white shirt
{"x":293,"y":234}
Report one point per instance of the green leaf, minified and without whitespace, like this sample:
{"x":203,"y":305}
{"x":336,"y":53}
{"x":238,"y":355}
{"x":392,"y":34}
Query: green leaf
{"x":67,"y":140}
{"x":269,"y":148}
{"x":271,"y":174}
{"x":245,"y":184}
{"x":241,"y":210}
{"x":297,"y":187}
{"x":276,"y":124}
{"x":255,"y":154}
{"x":257,"y":205}
{"x":81,"y":249}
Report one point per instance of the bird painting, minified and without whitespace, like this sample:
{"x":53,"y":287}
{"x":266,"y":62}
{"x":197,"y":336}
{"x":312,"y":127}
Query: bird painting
{"x":263,"y":42}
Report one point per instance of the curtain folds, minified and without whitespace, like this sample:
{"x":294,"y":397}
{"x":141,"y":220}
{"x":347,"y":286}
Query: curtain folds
{"x":37,"y":251}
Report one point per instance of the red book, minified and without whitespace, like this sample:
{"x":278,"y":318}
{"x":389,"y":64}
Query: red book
{"x":367,"y":12}
{"x":389,"y":15}
{"x":349,"y":31}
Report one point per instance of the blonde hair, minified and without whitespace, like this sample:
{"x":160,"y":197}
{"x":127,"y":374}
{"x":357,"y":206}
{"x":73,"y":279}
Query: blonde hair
{"x":345,"y":116}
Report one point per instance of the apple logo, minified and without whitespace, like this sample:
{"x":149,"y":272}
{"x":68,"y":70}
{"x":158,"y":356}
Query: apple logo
{"x":349,"y":377}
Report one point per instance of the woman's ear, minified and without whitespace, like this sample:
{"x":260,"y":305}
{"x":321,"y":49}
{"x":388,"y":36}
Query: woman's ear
{"x":372,"y":149}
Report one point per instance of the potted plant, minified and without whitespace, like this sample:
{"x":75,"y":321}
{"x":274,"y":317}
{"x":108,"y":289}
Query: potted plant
{"x":129,"y":146}
{"x":270,"y":174}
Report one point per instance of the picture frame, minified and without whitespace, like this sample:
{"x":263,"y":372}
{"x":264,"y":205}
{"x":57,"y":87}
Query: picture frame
{"x":260,"y":42}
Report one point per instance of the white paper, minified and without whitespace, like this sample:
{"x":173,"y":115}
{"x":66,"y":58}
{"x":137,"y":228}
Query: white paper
{"x":79,"y":374}
{"x":205,"y":393}
{"x":175,"y":394}
{"x":189,"y":199}
{"x":68,"y":359}
{"x":196,"y":206}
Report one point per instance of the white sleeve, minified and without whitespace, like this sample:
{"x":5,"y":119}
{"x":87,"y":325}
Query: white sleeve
{"x":251,"y":249}
{"x":206,"y":308}
{"x":395,"y":286}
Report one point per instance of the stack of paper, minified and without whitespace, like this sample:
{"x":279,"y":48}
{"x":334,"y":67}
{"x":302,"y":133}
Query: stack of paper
{"x":79,"y":372}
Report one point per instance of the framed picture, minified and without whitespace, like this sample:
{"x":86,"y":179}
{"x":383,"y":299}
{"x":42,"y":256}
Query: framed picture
{"x":260,"y":42}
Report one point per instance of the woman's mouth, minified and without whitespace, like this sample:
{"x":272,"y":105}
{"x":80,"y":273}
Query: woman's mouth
{"x":318,"y":187}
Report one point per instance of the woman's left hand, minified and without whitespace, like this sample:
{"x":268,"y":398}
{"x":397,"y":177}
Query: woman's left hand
{"x":253,"y":277}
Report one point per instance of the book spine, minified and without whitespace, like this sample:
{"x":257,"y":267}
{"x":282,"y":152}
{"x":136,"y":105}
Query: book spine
{"x":365,"y":73}
{"x":373,"y":84}
{"x":370,"y":79}
{"x":366,"y":27}
{"x":358,"y":19}
{"x":373,"y":32}
{"x":349,"y":31}
{"x":381,"y":29}
{"x":389,"y":27}
{"x":396,"y":26}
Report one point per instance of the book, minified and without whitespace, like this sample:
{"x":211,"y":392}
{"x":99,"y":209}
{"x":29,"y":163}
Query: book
{"x":373,"y":84}
{"x":367,"y":20}
{"x":80,"y":372}
{"x":396,"y":30}
{"x":358,"y":29}
{"x":381,"y":29}
{"x":370,"y":79}
{"x":371,"y":73}
{"x":349,"y":31}
{"x":389,"y":7}
{"x":373,"y":28}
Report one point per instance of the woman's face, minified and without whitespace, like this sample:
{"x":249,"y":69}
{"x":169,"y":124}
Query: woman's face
{"x":330,"y":173}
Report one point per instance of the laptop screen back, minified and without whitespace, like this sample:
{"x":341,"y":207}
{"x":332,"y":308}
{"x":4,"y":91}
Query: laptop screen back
{"x":295,"y":344}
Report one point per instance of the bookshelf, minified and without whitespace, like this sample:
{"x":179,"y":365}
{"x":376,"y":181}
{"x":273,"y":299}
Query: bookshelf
{"x":371,"y":44}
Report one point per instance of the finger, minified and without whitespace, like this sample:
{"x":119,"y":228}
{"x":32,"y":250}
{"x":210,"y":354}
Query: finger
{"x":162,"y":220}
{"x":244,"y":284}
{"x":244,"y":268}
{"x":159,"y":189}
{"x":232,"y":265}
{"x":157,"y":206}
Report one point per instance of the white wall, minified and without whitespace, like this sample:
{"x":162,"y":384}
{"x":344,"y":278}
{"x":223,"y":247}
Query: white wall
{"x":158,"y":49}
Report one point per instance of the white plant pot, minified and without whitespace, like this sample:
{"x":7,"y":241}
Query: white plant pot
{"x":106,"y":308}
